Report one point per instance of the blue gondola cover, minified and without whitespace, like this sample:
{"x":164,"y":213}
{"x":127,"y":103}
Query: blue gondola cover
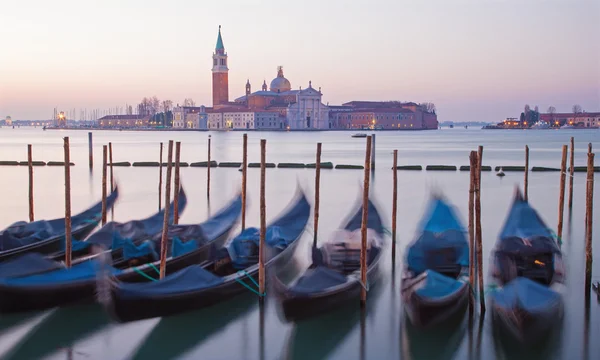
{"x":438,"y":286}
{"x":28,"y":263}
{"x":181,"y":248}
{"x":526,"y":294}
{"x":83,"y":271}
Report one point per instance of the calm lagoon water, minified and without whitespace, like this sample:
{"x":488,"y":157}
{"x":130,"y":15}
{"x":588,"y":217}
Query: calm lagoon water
{"x":237,"y":329}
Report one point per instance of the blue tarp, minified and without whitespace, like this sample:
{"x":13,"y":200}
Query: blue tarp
{"x":181,"y":248}
{"x":318,"y":279}
{"x":373,"y":219}
{"x":85,"y":270}
{"x":132,"y":251}
{"x":526,"y":294}
{"x":243,"y":249}
{"x":29,"y":263}
{"x":524,"y":232}
{"x":438,"y":286}
{"x":190,"y":279}
{"x":442,"y":241}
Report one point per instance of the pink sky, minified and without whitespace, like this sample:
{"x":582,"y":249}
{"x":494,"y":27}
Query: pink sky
{"x":476,"y":60}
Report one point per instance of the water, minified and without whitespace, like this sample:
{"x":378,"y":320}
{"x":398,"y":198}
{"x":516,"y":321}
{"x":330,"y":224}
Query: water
{"x":232,"y":330}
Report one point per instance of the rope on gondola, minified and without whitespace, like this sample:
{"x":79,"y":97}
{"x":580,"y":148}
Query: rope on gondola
{"x":243,"y":272}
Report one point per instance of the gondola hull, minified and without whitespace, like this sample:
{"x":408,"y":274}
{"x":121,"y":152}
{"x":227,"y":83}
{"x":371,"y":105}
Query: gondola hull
{"x":426,"y":312}
{"x":30,"y":298}
{"x":125,"y":310}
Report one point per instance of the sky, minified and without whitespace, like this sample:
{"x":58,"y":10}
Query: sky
{"x":477,"y":60}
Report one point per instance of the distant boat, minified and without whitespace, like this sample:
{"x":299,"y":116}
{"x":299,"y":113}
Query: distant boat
{"x":500,"y":173}
{"x":466,"y":126}
{"x":567,"y":126}
{"x":540,"y":125}
{"x":359,"y":135}
{"x":451,"y":126}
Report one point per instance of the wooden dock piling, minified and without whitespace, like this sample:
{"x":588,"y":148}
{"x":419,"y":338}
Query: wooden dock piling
{"x":104,"y":160}
{"x":317,"y":185}
{"x":589,"y":205}
{"x":526,"y":181}
{"x":394,"y":206}
{"x":110,"y":163}
{"x":263,"y":221}
{"x":176,"y":187}
{"x":68,"y":245}
{"x":373,"y":152}
{"x":478,"y":235}
{"x":363,"y":227}
{"x":165,"y":229}
{"x":30,"y":164}
{"x":571,"y":172}
{"x":208,"y":171}
{"x":473,"y":178}
{"x":90,"y":150}
{"x":244,"y":179}
{"x":160,"y":178}
{"x":561,"y":195}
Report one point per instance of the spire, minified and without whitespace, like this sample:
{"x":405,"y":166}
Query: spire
{"x":264,"y":85}
{"x":220,"y":49}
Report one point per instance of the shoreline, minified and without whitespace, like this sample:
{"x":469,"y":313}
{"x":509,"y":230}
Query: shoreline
{"x":238,"y":130}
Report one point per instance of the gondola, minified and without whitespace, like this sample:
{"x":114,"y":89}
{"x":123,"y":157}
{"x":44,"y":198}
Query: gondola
{"x":212,"y":281}
{"x":333,"y":278}
{"x":435,"y":281}
{"x":48,"y":236}
{"x":59,"y":286}
{"x":528,"y":274}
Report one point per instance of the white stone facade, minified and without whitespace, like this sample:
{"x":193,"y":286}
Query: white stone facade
{"x":190,"y":117}
{"x":308,"y":112}
{"x":226,"y":120}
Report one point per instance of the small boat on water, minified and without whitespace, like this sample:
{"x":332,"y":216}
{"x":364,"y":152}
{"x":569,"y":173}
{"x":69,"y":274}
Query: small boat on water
{"x":500,"y":172}
{"x":48,"y":236}
{"x":54,"y":285}
{"x":435,"y":283}
{"x":359,"y":135}
{"x":333,"y":279}
{"x":528,"y":273}
{"x":540,"y":125}
{"x":212,"y":281}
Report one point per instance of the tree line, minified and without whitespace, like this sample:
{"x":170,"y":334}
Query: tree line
{"x":160,"y":112}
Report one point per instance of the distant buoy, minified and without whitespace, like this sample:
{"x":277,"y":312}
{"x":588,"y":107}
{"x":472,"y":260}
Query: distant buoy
{"x":500,"y":173}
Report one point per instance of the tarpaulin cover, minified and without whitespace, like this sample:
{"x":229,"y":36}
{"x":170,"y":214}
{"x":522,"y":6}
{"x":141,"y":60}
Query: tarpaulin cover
{"x":29,"y":263}
{"x":85,"y":270}
{"x":438,"y":286}
{"x":181,"y":248}
{"x":318,"y":279}
{"x":526,"y":294}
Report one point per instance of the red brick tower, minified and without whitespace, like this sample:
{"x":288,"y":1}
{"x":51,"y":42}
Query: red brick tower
{"x":220,"y":80}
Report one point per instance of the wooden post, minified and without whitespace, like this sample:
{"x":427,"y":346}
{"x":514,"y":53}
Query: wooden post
{"x":317,"y":182}
{"x":589,"y":148}
{"x":263,"y":221}
{"x":176,"y":187}
{"x":373,"y":152}
{"x":478,"y":230}
{"x":473,"y":168}
{"x":571,"y":172}
{"x":90,"y":150}
{"x":30,"y":164}
{"x":165,"y":230}
{"x":394,"y":206}
{"x":244,"y":172}
{"x":561,"y":195}
{"x":160,"y":178}
{"x":208,"y":171}
{"x":526,"y":182}
{"x":363,"y":228}
{"x":67,"y":204}
{"x":110,"y":162}
{"x":589,"y":204}
{"x":104,"y":185}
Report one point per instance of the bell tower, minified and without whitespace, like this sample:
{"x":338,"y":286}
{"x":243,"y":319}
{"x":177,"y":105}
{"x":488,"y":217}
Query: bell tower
{"x":220,"y":77}
{"x":248,"y":88}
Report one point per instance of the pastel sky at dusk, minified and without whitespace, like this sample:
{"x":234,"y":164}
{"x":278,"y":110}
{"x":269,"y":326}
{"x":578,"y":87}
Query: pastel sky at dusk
{"x":477,"y":60}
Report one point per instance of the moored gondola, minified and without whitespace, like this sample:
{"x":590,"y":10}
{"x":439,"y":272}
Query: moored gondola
{"x":48,"y":236}
{"x":528,"y":276}
{"x":58,"y":286}
{"x":212,"y":281}
{"x":333,"y":279}
{"x":435,"y":280}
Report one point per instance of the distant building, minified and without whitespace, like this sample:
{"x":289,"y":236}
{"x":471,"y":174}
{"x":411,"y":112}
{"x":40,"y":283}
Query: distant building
{"x":583,"y":119}
{"x":124,"y":121}
{"x":382,"y":115}
{"x":8,"y":121}
{"x":236,"y":118}
{"x":190,"y":117}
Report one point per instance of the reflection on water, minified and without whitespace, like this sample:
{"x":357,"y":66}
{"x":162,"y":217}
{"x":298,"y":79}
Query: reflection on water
{"x":238,"y":329}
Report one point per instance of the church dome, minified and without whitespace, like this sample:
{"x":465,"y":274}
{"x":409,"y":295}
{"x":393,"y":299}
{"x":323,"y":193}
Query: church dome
{"x":280,"y":84}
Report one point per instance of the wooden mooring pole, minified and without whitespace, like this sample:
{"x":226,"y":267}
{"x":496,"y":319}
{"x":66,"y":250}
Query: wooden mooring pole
{"x":317,"y":185}
{"x":208,"y":171}
{"x":561,"y":195}
{"x":263,"y":221}
{"x":176,"y":187}
{"x":526,"y":181}
{"x":165,"y":229}
{"x":104,"y":160}
{"x":363,"y":227}
{"x":67,"y":203}
{"x":472,"y":264}
{"x":571,"y":172}
{"x":30,"y":164}
{"x":394,"y":206}
{"x":244,"y":179}
{"x":478,"y":230}
{"x":110,"y":163}
{"x":90,"y":150}
{"x":160,"y":178}
{"x":589,"y":205}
